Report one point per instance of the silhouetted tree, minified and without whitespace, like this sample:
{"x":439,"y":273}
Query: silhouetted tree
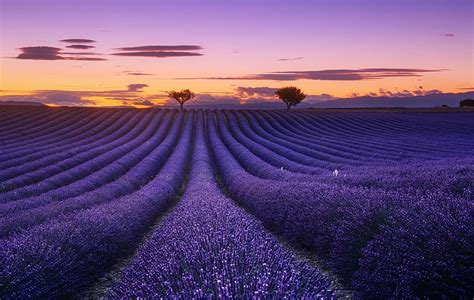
{"x":181,"y":97}
{"x":467,"y":103}
{"x":290,"y":95}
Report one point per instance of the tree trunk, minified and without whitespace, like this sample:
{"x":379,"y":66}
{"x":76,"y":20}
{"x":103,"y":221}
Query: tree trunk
{"x":181,"y":106}
{"x":288,"y":106}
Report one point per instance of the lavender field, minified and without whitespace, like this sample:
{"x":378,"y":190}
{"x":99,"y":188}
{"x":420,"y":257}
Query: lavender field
{"x":161,"y":203}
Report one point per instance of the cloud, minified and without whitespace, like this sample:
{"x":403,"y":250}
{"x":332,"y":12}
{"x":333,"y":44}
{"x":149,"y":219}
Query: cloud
{"x":334,"y":75}
{"x":420,"y":91}
{"x":78,"y":41}
{"x":138,"y":73}
{"x":467,"y":88}
{"x":79,"y":98}
{"x":319,"y":98}
{"x":49,"y":53}
{"x":144,"y":103}
{"x":448,"y":35}
{"x":158,"y":54}
{"x":136,"y":87}
{"x":162,"y":48}
{"x":86,"y":58}
{"x":66,"y":99}
{"x":247,"y":92}
{"x":82,"y":47}
{"x":160,"y":51}
{"x":81,"y":53}
{"x":40,"y":53}
{"x":56,"y":98}
{"x":291,"y":59}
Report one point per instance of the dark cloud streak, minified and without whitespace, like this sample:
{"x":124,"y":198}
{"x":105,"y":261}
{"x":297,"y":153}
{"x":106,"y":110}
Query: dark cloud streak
{"x":136,"y":87}
{"x":162,"y":48}
{"x":82,"y":47}
{"x":291,"y":59}
{"x":40,"y":53}
{"x":158,"y":54}
{"x":50,"y":53}
{"x":334,"y":75}
{"x":78,"y":41}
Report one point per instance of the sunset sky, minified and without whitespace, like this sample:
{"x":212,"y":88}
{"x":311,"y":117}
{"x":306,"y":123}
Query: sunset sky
{"x":104,"y":52}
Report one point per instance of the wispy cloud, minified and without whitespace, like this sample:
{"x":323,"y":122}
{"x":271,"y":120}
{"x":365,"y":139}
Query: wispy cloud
{"x":138,"y":73}
{"x":248,"y":92}
{"x":81,"y":47}
{"x":136,"y":87}
{"x":78,"y":41}
{"x":420,"y":91}
{"x":80,"y":53}
{"x":52,"y":97}
{"x":162,"y":48}
{"x":334,"y":75}
{"x":144,"y":103}
{"x":159,"y":51}
{"x":448,"y":35}
{"x":291,"y":59}
{"x":158,"y":54}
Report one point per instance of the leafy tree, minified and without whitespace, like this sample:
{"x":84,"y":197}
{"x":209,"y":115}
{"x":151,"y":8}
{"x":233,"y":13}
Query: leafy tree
{"x":290,"y":95}
{"x":182,"y":96}
{"x":467,"y":103}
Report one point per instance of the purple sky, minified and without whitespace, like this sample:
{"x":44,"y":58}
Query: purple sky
{"x":235,"y":40}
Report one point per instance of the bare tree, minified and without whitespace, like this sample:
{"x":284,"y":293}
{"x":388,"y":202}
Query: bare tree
{"x":290,"y":95}
{"x":181,"y":97}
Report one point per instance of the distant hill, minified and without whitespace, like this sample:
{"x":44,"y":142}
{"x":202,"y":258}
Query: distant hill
{"x":22,"y":103}
{"x":449,"y":99}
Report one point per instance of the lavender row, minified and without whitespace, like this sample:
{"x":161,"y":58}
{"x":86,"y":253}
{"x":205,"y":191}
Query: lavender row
{"x":17,"y":156}
{"x":61,"y":258}
{"x":301,"y":154}
{"x":209,"y":248}
{"x":391,"y":136}
{"x":30,"y":120}
{"x":340,"y":223}
{"x":324,"y":142}
{"x":40,"y":210}
{"x":83,"y":126}
{"x":222,"y":141}
{"x":340,"y":127}
{"x":337,"y":133}
{"x":69,"y":128}
{"x":60,"y":159}
{"x":273,"y":158}
{"x":10,"y":115}
{"x":47,"y":125}
{"x":98,"y":171}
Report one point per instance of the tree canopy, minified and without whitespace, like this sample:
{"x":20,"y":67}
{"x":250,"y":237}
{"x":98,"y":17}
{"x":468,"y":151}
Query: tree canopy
{"x":181,"y":96}
{"x":290,"y":95}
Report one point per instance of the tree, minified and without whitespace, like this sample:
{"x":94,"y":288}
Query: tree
{"x":181,"y":97}
{"x":290,"y":95}
{"x":467,"y":103}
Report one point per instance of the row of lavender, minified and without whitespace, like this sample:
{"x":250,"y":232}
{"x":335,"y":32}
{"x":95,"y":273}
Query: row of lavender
{"x":280,"y":167}
{"x":389,"y":229}
{"x":217,"y":250}
{"x":65,"y":239}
